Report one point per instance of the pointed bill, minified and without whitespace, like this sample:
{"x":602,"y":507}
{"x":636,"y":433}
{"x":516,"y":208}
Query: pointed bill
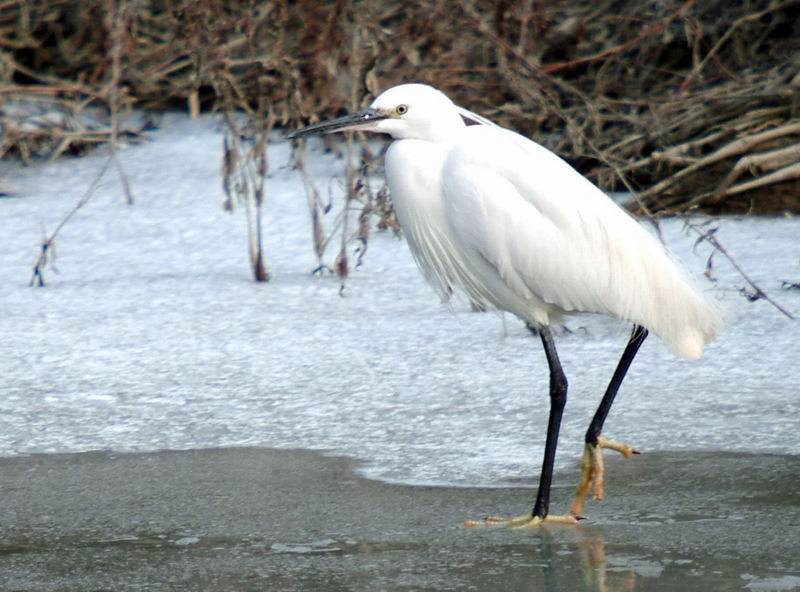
{"x":353,"y":121}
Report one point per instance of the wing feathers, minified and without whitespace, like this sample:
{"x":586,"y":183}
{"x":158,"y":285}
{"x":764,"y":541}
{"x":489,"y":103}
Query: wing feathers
{"x":558,"y":244}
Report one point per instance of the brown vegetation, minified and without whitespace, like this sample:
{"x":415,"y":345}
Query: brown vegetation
{"x":692,"y":104}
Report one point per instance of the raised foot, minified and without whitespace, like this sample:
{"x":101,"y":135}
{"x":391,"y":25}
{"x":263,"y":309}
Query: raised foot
{"x":593,"y":470}
{"x":526,"y":521}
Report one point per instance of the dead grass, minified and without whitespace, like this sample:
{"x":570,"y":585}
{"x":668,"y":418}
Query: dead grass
{"x":691,"y":104}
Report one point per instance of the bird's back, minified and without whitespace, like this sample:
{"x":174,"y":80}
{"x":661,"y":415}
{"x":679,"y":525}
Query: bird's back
{"x":542,"y":241}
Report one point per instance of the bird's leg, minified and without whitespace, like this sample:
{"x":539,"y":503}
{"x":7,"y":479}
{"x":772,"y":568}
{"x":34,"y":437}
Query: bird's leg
{"x":592,"y":468}
{"x":558,"y":399}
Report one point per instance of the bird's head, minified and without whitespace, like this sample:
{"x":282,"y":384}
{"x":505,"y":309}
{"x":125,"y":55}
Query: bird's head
{"x":413,"y":111}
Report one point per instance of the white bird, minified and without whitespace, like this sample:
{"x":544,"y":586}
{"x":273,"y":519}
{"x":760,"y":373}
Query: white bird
{"x":515,"y":227}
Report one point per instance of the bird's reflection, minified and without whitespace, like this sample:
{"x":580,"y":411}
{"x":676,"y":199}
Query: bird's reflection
{"x":581,"y":563}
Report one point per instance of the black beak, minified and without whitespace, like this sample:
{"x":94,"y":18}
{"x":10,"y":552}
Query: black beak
{"x":347,"y":122}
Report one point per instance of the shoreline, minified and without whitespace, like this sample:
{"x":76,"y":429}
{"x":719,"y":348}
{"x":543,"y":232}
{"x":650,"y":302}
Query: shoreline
{"x":253,"y":519}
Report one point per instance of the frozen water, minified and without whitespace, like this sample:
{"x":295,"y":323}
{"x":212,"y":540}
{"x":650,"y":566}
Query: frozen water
{"x":153,"y":336}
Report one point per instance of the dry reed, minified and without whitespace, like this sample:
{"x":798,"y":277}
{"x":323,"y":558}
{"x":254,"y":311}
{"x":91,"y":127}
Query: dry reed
{"x":694,"y":104}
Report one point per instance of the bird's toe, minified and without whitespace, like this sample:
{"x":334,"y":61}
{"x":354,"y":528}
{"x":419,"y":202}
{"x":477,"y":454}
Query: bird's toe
{"x":525,"y":521}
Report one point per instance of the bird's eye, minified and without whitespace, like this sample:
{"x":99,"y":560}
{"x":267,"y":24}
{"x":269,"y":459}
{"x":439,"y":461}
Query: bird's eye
{"x":402,"y":109}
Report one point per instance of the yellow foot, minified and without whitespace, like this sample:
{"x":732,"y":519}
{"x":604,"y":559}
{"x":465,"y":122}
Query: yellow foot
{"x":593,"y":470}
{"x":526,"y":521}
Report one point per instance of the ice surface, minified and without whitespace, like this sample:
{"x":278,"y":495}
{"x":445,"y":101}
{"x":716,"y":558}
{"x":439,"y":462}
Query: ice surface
{"x":153,"y":336}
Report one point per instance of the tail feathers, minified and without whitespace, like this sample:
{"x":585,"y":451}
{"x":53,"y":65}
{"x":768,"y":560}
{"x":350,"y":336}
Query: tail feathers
{"x":690,"y":345}
{"x":695,"y":322}
{"x":668,"y":303}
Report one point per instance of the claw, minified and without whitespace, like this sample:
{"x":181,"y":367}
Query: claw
{"x":593,"y":470}
{"x":625,"y":449}
{"x":525,"y":521}
{"x":497,"y":521}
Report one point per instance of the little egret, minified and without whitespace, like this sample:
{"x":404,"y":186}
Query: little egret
{"x":518,"y":229}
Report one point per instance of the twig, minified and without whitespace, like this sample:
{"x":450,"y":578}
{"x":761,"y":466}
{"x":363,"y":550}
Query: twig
{"x":654,"y":29}
{"x":732,"y":149}
{"x":47,"y":246}
{"x":315,"y":208}
{"x":117,"y":21}
{"x":728,"y":34}
{"x":711,"y":239}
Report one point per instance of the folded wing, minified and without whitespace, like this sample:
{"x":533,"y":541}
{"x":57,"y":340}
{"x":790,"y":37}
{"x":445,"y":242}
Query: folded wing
{"x":548,"y":241}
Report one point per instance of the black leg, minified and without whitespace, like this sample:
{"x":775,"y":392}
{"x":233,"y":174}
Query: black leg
{"x":558,"y":398}
{"x":637,"y":338}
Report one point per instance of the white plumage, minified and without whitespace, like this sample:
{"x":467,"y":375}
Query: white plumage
{"x":518,"y":229}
